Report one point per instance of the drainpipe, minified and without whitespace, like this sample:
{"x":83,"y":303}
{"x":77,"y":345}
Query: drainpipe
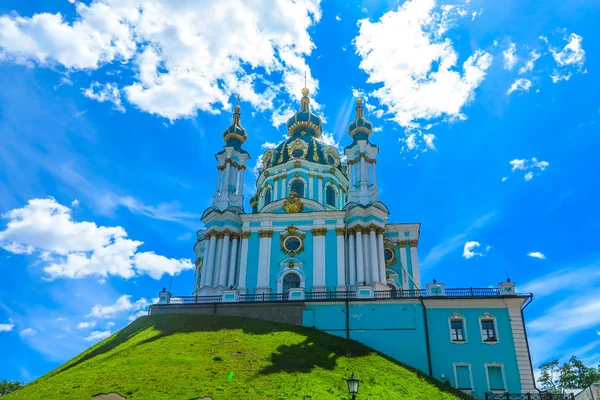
{"x":347,"y":320}
{"x":527,"y":303}
{"x":426,"y":336}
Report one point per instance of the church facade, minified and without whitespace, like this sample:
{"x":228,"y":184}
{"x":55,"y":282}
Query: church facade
{"x":317,"y":230}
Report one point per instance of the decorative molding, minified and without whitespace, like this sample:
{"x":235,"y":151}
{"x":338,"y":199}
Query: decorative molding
{"x":351,"y":231}
{"x":372,"y":228}
{"x":265,"y":233}
{"x":292,"y":231}
{"x":266,"y":173}
{"x":297,"y":175}
{"x":297,"y":164}
{"x":380,"y":231}
{"x":198,"y":262}
{"x":293,"y":204}
{"x":411,"y":242}
{"x":246,"y":234}
{"x":311,"y":174}
{"x":320,"y":176}
{"x":283,"y":176}
{"x":332,"y":170}
{"x":315,"y":152}
{"x":340,"y":231}
{"x":319,"y":231}
{"x":275,"y":179}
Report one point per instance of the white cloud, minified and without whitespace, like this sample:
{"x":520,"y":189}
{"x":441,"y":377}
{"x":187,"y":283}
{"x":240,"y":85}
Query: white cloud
{"x":571,"y":54}
{"x":97,"y":335}
{"x":488,"y":248}
{"x":528,"y":67}
{"x":563,"y":280}
{"x":532,"y":167}
{"x":536,"y":254}
{"x":377,"y":129}
{"x":7,"y":327}
{"x":122,"y":304}
{"x":141,"y":313}
{"x":468,"y":249}
{"x":520,"y":84}
{"x":510,"y":56}
{"x":338,"y":18}
{"x":504,"y":178}
{"x":558,"y":76}
{"x":105,"y":92}
{"x":418,"y":71}
{"x":429,"y":137}
{"x":72,"y":249}
{"x":27,"y":332}
{"x":109,"y":324}
{"x":86,"y":325}
{"x":186,"y":56}
{"x":574,"y":313}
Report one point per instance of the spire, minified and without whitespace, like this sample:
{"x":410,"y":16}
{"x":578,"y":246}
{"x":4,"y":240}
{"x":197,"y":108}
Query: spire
{"x":360,"y":128}
{"x":235,"y":134}
{"x":305,"y":100}
{"x":359,"y":108}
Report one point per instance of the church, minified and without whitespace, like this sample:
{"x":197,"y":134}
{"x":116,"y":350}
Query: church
{"x":316,"y":249}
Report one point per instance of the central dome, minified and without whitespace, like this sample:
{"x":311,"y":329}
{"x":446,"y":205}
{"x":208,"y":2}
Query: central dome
{"x":304,"y":122}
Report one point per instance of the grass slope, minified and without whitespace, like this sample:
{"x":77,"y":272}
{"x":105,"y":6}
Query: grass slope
{"x":190,"y":356}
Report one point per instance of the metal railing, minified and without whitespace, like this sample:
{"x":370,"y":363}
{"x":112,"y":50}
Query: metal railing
{"x":347,"y":295}
{"x":528,"y":396}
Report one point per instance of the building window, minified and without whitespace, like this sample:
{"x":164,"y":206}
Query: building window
{"x":292,"y":243}
{"x":330,"y":196}
{"x":268,"y":197}
{"x":298,"y":153}
{"x":389,"y":255}
{"x":495,"y":378}
{"x":457,"y":330}
{"x":297,"y":187}
{"x":290,"y":281}
{"x":488,"y":330}
{"x":462,"y":376}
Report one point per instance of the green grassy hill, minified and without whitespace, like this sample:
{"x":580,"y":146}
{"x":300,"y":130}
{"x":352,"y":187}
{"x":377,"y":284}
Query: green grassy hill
{"x":190,"y":356}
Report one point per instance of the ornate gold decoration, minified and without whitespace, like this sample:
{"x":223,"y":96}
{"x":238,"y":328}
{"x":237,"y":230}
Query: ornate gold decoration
{"x":390,"y":248}
{"x":291,"y":264}
{"x":293,"y":204}
{"x":340,"y":231}
{"x":220,"y":235}
{"x":303,"y":133}
{"x":319,"y":231}
{"x":297,"y":175}
{"x":331,"y":181}
{"x":351,"y":231}
{"x":266,"y":173}
{"x":283,"y":176}
{"x":198,"y":262}
{"x":320,"y":176}
{"x":254,"y":203}
{"x":265,"y":233}
{"x":297,"y":144}
{"x":246,"y":234}
{"x":380,"y":231}
{"x":311,"y":174}
{"x":332,"y":170}
{"x":387,"y":276}
{"x":411,"y":243}
{"x":315,"y":153}
{"x":304,"y":125}
{"x":275,"y":179}
{"x":297,"y":164}
{"x":372,"y":228}
{"x":362,"y":155}
{"x":281,"y":154}
{"x":289,"y":232}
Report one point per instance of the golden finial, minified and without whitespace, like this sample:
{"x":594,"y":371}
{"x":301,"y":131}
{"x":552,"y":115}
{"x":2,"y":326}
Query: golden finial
{"x":237,"y":107}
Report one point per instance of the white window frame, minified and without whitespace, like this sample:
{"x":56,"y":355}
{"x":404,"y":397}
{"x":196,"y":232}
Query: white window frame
{"x":456,"y":316}
{"x":468,"y":365}
{"x":337,"y":195}
{"x":487,"y":377}
{"x":261,"y":199}
{"x":488,"y":316}
{"x":289,"y":185}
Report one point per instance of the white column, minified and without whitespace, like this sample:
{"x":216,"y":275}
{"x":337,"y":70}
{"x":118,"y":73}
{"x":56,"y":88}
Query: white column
{"x":414,"y":258}
{"x":341,"y":259}
{"x":264,"y":255}
{"x":205,"y":261}
{"x":364,"y":177}
{"x":219,"y":181}
{"x":283,"y":186}
{"x":405,"y":282}
{"x":351,"y":259}
{"x":243,"y":262}
{"x":360,"y":261}
{"x":311,"y":188}
{"x":274,"y":192}
{"x":240,"y":184}
{"x":320,"y":189}
{"x":232,"y":262}
{"x":373,"y":254}
{"x":350,"y":166}
{"x":226,"y":180}
{"x":366,"y":257}
{"x":374,"y":173}
{"x":319,"y":261}
{"x":209,"y":264}
{"x":224,"y":260}
{"x":381,"y":258}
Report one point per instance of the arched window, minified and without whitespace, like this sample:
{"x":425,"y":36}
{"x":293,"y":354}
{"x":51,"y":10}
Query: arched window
{"x":268,"y":196}
{"x":330,"y":196}
{"x":290,"y":281}
{"x":297,"y":187}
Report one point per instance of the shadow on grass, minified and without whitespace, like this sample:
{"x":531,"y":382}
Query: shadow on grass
{"x":318,"y":350}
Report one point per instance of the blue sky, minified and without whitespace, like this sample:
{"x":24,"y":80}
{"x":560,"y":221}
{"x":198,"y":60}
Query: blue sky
{"x":486,"y":114}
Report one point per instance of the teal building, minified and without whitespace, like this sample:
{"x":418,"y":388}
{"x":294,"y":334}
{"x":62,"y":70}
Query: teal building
{"x":318,"y":236}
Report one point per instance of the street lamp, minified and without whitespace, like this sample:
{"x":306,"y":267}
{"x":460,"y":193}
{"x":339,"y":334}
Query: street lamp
{"x":353,"y":386}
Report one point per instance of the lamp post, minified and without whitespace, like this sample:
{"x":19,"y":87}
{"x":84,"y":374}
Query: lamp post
{"x":353,"y":386}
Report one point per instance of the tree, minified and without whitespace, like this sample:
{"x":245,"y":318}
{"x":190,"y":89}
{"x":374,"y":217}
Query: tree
{"x":7,"y":387}
{"x":573,"y":374}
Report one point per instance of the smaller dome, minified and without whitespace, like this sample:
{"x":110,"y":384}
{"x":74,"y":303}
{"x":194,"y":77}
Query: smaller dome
{"x":360,"y":128}
{"x":235,"y":135}
{"x":304,"y":120}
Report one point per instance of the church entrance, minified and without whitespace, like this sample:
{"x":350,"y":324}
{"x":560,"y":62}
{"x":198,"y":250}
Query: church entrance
{"x":290,"y":281}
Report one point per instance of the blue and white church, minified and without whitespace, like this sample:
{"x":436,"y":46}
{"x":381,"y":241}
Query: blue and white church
{"x":317,"y":250}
